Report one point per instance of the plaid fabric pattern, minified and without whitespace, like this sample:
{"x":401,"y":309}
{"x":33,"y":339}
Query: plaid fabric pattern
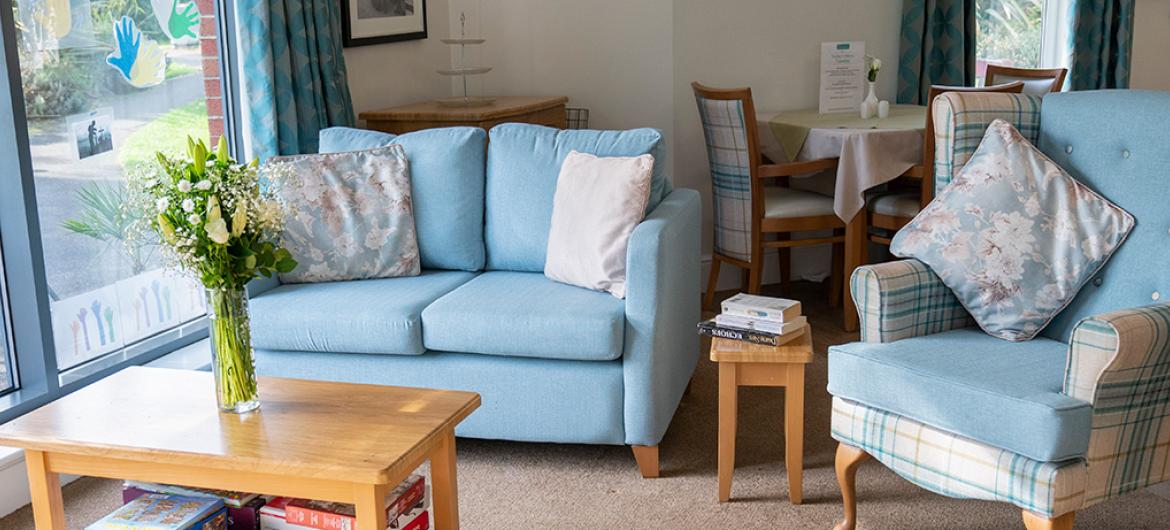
{"x":902,"y":299}
{"x":960,"y":119}
{"x":1120,"y":362}
{"x":959,"y":467}
{"x":727,"y":154}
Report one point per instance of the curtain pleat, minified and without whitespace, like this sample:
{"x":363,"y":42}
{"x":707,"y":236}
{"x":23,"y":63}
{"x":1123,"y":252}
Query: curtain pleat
{"x":937,"y":47}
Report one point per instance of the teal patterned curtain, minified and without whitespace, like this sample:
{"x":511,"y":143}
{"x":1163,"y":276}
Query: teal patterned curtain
{"x":293,"y":73}
{"x":1102,"y":41}
{"x":938,"y":47}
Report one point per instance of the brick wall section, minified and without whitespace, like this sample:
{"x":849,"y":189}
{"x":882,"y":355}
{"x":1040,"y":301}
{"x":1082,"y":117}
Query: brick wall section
{"x":212,"y":78}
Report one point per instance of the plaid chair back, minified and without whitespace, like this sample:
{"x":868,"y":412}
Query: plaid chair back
{"x":961,"y":118}
{"x":729,"y":156}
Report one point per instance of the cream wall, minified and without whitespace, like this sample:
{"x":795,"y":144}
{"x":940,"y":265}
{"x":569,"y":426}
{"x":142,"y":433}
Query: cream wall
{"x":1151,"y":45}
{"x":385,"y":75}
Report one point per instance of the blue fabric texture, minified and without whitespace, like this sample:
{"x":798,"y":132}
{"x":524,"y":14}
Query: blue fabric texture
{"x":533,"y":400}
{"x":447,"y":184}
{"x":662,"y":307}
{"x":964,"y":381}
{"x":296,"y":83}
{"x":1013,"y":235}
{"x":525,"y":314}
{"x":937,"y":47}
{"x":1102,"y":43}
{"x":1104,"y":140}
{"x":523,"y":164}
{"x":361,"y":316}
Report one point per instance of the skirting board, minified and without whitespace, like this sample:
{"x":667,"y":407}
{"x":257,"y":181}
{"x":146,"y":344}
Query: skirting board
{"x":14,"y":481}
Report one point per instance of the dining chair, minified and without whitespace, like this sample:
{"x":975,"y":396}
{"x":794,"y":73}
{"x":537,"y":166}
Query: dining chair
{"x":890,"y":211}
{"x":750,"y":216}
{"x":1037,"y":81}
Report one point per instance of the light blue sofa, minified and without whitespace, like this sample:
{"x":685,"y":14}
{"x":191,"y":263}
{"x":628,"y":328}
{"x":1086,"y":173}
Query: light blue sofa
{"x":552,"y":362}
{"x":1074,"y":417}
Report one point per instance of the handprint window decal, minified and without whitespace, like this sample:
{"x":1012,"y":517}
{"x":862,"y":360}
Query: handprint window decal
{"x":140,"y":60}
{"x":177,"y":20}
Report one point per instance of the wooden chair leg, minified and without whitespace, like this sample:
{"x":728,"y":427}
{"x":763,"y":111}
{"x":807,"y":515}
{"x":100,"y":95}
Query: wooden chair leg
{"x":1039,"y":522}
{"x":755,"y":275}
{"x":784,"y":256}
{"x":745,"y":280}
{"x":712,"y":283}
{"x":837,"y":277}
{"x":848,"y":459}
{"x":647,"y":458}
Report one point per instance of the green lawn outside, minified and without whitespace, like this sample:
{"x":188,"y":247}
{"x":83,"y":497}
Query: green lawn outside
{"x":168,"y":133}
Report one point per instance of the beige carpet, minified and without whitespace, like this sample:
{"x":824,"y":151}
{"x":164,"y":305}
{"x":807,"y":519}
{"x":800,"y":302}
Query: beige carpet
{"x":506,"y":485}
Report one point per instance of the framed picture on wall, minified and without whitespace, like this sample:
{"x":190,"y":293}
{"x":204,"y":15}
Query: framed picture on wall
{"x":366,"y":22}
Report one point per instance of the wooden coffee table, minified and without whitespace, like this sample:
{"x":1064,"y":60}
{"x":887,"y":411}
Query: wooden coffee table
{"x":311,"y":439}
{"x":745,"y":364}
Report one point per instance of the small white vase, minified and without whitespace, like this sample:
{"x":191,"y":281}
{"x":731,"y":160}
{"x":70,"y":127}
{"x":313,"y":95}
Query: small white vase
{"x":871,"y":99}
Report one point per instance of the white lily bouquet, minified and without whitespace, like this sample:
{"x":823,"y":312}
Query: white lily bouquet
{"x":216,"y":221}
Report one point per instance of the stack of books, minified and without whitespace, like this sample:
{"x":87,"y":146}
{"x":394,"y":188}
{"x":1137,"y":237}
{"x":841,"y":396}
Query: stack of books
{"x":243,"y":508}
{"x":405,"y":510}
{"x":159,"y":511}
{"x":757,"y":319}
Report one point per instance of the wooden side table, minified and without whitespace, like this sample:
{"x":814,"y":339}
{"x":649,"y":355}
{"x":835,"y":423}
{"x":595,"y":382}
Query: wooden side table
{"x":538,"y":110}
{"x":747,"y":364}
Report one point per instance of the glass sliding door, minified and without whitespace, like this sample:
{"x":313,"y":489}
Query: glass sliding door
{"x":106,"y":84}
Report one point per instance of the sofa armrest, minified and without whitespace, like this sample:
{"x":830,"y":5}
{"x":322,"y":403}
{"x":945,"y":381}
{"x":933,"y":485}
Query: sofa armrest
{"x":261,"y":284}
{"x":662,"y":309}
{"x":961,"y":119}
{"x":1119,"y":362}
{"x":903,"y":299}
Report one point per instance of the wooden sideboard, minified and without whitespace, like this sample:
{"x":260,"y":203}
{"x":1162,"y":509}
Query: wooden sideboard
{"x":548,"y":111}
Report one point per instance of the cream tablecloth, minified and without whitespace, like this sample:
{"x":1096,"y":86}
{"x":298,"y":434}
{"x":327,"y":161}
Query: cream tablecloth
{"x":871,"y":152}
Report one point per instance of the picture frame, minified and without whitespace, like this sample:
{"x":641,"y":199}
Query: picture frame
{"x":367,"y":22}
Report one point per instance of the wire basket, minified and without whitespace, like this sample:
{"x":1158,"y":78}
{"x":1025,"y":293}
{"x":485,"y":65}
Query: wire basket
{"x":576,"y":118}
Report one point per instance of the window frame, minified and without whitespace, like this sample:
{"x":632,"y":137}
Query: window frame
{"x":35,"y":376}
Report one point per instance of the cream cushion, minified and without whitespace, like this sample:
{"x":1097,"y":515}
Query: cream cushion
{"x":786,"y":202}
{"x":897,"y":204}
{"x":597,"y":204}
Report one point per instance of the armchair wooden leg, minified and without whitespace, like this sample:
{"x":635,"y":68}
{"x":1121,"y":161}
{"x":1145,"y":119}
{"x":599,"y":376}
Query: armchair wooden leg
{"x":848,"y":458}
{"x":1039,"y":522}
{"x":712,"y":283}
{"x":647,"y":457}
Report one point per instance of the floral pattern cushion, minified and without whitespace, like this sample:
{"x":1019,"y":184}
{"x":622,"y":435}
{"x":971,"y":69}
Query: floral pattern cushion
{"x":1013,"y":235}
{"x":348,"y":215}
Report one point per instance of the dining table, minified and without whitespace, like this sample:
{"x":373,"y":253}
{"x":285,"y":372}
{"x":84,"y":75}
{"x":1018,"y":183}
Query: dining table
{"x":870,"y":152}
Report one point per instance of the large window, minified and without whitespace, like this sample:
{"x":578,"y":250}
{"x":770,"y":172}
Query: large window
{"x":92,"y":89}
{"x":1021,"y":33}
{"x":107,"y":83}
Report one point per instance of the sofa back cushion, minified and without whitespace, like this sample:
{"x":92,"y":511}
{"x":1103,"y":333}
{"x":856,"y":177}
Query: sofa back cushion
{"x":447,"y":184}
{"x":523,"y":163}
{"x":1115,"y":142}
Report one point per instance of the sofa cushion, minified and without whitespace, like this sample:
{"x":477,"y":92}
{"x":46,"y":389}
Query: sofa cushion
{"x":447,"y":185}
{"x":523,"y":164}
{"x":363,"y":316}
{"x":525,"y":314}
{"x":972,"y":384}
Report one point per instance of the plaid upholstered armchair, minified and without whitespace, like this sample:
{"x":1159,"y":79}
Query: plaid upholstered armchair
{"x":1069,"y":419}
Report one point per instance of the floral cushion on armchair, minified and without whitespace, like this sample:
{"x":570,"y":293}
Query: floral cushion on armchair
{"x":1013,"y":235}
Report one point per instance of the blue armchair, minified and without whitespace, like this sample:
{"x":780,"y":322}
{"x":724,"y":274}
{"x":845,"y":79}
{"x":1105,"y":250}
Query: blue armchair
{"x":1053,"y":425}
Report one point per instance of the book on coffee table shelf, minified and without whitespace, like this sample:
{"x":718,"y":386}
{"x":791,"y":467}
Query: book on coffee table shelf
{"x":405,"y":510}
{"x":764,"y":308}
{"x":157,"y":511}
{"x":243,"y":508}
{"x":766,"y":326}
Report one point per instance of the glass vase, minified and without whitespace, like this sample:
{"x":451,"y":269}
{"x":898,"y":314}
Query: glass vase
{"x":232,"y":361}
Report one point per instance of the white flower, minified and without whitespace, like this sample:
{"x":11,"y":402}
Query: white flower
{"x":203,"y":185}
{"x":217,"y":230}
{"x":162,"y":204}
{"x":194,"y":219}
{"x":184,"y":186}
{"x":877,"y":64}
{"x":188,"y":205}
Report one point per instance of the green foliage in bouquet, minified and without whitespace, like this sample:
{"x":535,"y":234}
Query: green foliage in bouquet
{"x":214,"y":217}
